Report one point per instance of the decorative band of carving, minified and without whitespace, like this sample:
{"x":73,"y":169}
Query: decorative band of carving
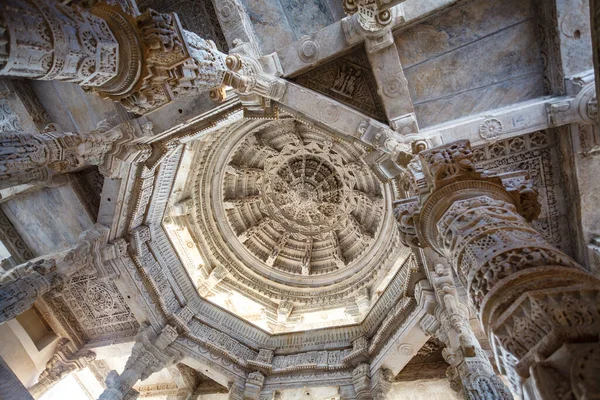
{"x":439,"y":202}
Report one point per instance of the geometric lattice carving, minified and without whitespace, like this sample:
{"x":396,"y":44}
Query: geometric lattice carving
{"x":534,"y":154}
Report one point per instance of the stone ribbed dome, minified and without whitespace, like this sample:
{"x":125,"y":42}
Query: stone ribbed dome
{"x":300,"y":202}
{"x":297,"y":208}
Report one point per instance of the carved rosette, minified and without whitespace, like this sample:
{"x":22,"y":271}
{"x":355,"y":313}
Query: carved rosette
{"x":530,"y":297}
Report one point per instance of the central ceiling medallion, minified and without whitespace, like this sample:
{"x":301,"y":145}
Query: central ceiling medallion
{"x":300,"y":202}
{"x":307,"y":188}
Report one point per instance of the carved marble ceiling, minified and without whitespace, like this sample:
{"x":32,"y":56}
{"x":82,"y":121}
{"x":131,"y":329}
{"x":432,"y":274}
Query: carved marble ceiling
{"x":288,"y":216}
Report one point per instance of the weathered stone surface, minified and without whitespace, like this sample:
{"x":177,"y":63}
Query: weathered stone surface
{"x":34,"y":215}
{"x":486,"y":64}
{"x":270,"y":24}
{"x":574,"y":36}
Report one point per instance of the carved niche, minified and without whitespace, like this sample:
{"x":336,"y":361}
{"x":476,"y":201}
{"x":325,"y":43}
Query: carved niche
{"x":349,"y":80}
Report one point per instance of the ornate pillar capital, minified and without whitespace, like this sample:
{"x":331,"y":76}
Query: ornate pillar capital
{"x":254,"y":384}
{"x":443,"y":175}
{"x":66,"y":359}
{"x":144,"y":61}
{"x":27,"y":157}
{"x":21,"y":286}
{"x":151,"y":353}
{"x":529,"y":296}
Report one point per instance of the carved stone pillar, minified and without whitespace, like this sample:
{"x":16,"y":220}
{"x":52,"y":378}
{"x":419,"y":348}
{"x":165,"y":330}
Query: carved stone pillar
{"x":144,"y":61}
{"x":381,"y":383}
{"x":151,"y":353}
{"x":361,"y":379}
{"x":539,"y":308}
{"x":66,"y":359}
{"x":470,"y":369}
{"x":254,"y":383}
{"x":36,"y":158}
{"x":21,"y":287}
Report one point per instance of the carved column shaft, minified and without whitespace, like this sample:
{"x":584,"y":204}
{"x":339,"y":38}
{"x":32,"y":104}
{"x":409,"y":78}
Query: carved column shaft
{"x":531,"y":298}
{"x":470,"y":370}
{"x":143,"y":60}
{"x":27,"y":158}
{"x":22,"y":286}
{"x":44,"y":40}
{"x":18,"y":295}
{"x":151,"y":353}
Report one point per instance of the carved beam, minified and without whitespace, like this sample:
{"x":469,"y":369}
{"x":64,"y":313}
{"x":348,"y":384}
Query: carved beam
{"x":341,"y":36}
{"x":37,"y":158}
{"x":516,"y":120}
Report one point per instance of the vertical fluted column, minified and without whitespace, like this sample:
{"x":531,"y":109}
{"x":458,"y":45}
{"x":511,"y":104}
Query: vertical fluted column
{"x":151,"y":353}
{"x":23,"y":285}
{"x":470,"y":369}
{"x":539,"y":308}
{"x":36,"y":158}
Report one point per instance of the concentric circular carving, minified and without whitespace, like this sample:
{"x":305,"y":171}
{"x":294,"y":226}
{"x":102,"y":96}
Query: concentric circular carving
{"x":306,"y":191}
{"x":292,"y":212}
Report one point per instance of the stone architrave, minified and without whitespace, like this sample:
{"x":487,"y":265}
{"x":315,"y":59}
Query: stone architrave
{"x":23,"y":285}
{"x":470,"y":369}
{"x":37,"y":158}
{"x":539,"y":308}
{"x":143,"y":61}
{"x":65,"y":360}
{"x":151,"y":353}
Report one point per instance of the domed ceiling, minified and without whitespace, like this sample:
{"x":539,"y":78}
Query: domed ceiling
{"x":291,"y":217}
